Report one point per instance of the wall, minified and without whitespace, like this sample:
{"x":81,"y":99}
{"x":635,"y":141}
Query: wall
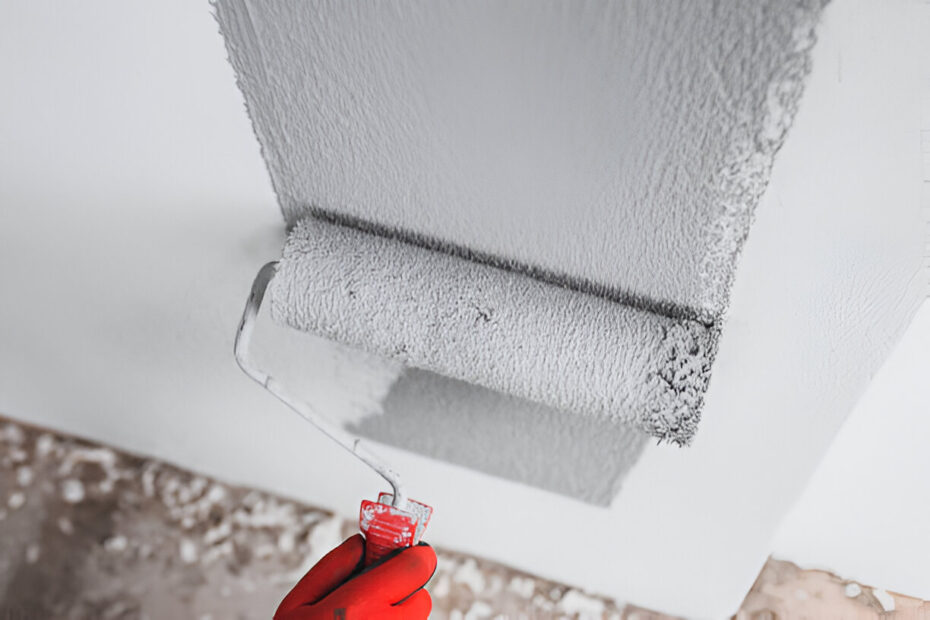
{"x":136,"y":210}
{"x":621,"y":145}
{"x":537,"y":136}
{"x":505,"y":436}
{"x":865,"y":513}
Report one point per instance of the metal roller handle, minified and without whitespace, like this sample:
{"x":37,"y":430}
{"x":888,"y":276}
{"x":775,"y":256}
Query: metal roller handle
{"x":304,"y":410}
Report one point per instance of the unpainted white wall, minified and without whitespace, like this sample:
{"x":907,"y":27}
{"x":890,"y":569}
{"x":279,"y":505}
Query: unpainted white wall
{"x":865,"y":514}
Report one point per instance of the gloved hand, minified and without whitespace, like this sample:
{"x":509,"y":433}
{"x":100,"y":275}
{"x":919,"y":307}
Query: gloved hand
{"x":337,"y":587}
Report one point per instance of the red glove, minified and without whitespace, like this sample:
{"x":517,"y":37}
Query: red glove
{"x":337,"y":588}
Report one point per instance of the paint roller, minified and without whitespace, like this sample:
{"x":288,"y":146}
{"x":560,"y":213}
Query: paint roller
{"x":493,"y":323}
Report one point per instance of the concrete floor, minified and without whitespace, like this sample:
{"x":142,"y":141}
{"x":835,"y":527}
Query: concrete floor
{"x":90,"y":532}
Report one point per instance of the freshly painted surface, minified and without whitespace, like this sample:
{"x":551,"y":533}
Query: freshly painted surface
{"x":580,"y":354}
{"x":534,"y":138}
{"x":136,"y":211}
{"x":620,"y":145}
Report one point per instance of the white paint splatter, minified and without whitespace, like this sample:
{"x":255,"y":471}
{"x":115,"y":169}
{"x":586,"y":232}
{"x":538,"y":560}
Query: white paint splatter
{"x":575,"y":602}
{"x":264,"y":551}
{"x":16,"y":500}
{"x":12,"y":433}
{"x":116,"y":544}
{"x":188,"y":551}
{"x":72,"y":490}
{"x":543,"y":603}
{"x":214,"y":553}
{"x":469,"y":574}
{"x":522,"y":586}
{"x":216,"y":493}
{"x":286,"y":541}
{"x":322,"y":538}
{"x":44,"y":445}
{"x":24,"y":476}
{"x":65,"y":525}
{"x":32,"y":553}
{"x":479,"y":610}
{"x":853,"y":590}
{"x":884,"y":599}
{"x":267,"y":513}
{"x":441,"y":587}
{"x":104,"y":458}
{"x":495,"y":584}
{"x":218,"y":533}
{"x":148,"y":479}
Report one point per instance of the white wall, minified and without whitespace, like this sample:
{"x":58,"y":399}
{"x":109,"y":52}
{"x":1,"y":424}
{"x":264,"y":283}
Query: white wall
{"x":135,"y":210}
{"x":865,"y":514}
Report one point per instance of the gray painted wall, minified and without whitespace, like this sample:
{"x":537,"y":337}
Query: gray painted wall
{"x":546,"y":136}
{"x":623,"y":145}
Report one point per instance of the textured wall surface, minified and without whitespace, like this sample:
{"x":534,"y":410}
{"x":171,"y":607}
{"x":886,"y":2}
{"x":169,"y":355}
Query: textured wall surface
{"x":538,"y":137}
{"x":580,"y":354}
{"x":622,"y":145}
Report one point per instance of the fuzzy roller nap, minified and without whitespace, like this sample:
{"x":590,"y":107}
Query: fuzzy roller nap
{"x":495,"y":327}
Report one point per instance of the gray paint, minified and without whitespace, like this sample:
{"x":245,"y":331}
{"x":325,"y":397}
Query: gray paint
{"x":548,"y":133}
{"x":506,"y":436}
{"x":542,"y":137}
{"x":582,"y":354}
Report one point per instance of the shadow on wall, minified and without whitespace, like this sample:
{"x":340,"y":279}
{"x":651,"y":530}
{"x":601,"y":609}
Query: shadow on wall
{"x":451,"y":420}
{"x":505,"y":436}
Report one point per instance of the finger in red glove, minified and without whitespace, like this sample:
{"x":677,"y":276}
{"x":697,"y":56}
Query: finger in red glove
{"x":326,"y":575}
{"x":392,"y":589}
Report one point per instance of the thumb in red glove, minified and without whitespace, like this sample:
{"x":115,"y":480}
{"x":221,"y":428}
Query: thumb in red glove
{"x":337,"y":587}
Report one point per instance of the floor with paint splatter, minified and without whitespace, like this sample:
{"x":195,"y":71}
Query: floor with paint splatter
{"x":87,"y":532}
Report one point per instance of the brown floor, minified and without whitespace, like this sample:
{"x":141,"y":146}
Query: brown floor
{"x":87,"y":532}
